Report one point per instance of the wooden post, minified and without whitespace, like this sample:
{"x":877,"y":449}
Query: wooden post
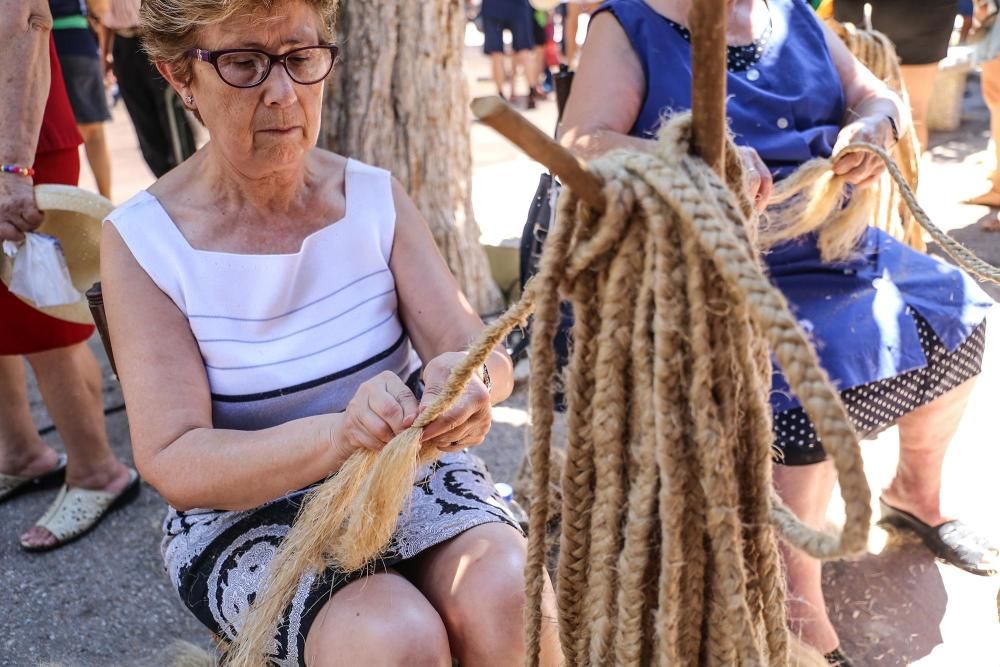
{"x":708,"y":80}
{"x":571,"y":170}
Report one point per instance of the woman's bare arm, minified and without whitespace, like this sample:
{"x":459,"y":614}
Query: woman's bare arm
{"x":869,"y":106}
{"x":437,"y":316}
{"x":608,"y":90}
{"x":24,"y":87}
{"x":163,"y":378}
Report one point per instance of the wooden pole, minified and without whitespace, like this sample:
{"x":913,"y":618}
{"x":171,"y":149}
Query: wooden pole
{"x":708,"y":80}
{"x":571,"y":170}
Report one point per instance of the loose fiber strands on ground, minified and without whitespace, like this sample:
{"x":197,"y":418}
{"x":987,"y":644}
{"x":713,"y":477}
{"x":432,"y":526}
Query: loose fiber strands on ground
{"x":667,"y":555}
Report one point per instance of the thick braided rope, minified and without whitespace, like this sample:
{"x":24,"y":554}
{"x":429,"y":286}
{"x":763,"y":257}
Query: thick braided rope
{"x":962,"y":255}
{"x":696,"y":524}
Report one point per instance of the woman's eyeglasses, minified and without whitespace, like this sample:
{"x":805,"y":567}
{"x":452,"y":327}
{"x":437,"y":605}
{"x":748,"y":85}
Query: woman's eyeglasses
{"x":246,"y":68}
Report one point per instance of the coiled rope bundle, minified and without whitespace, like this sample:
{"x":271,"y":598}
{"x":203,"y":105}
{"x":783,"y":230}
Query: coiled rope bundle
{"x":667,"y":550}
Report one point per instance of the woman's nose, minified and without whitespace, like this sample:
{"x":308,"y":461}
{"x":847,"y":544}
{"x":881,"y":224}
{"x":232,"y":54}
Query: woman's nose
{"x":279,"y":89}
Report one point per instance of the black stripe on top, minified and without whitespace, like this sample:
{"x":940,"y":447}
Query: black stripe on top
{"x":285,"y":391}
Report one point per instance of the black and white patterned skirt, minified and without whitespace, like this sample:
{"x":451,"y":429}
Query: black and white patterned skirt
{"x":876,"y":405}
{"x":449,"y":497}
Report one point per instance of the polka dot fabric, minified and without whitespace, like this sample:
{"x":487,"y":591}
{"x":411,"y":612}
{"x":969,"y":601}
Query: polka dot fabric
{"x":876,"y":405}
{"x":738,"y":58}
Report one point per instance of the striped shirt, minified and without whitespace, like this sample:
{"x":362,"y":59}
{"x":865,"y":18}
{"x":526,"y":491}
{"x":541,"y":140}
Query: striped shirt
{"x":281,"y":336}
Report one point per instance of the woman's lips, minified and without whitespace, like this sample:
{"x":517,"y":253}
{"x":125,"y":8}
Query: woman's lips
{"x":281,"y":130}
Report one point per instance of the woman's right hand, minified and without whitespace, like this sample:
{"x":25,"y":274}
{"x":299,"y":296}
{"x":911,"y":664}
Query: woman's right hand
{"x":18,"y":212}
{"x":381,"y":408}
{"x":757,"y":178}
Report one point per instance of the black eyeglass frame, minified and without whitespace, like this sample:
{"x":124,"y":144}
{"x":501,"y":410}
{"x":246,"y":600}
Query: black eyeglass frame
{"x":213,"y":58}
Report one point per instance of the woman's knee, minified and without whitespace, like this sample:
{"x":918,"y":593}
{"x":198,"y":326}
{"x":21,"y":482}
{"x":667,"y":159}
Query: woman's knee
{"x":383,"y":624}
{"x":487,"y":601}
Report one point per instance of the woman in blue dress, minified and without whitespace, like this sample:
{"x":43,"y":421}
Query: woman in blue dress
{"x":900,"y":333}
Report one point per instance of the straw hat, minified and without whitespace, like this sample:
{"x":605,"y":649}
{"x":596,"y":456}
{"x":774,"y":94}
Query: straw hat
{"x":74,"y":217}
{"x":544,"y":5}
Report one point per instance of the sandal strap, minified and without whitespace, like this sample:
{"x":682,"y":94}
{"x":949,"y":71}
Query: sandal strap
{"x":11,"y":483}
{"x":965,"y":541}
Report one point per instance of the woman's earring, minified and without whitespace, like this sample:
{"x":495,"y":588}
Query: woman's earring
{"x":190,"y":100}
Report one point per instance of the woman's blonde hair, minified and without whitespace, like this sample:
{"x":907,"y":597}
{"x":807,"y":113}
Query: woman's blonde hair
{"x":170,"y":27}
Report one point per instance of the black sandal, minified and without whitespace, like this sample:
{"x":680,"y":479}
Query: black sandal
{"x":837,"y":658}
{"x":953,"y":542}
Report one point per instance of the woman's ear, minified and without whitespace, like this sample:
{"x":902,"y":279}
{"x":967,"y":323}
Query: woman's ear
{"x":182,"y":87}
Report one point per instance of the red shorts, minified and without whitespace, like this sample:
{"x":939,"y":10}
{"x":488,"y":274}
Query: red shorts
{"x":24,"y":330}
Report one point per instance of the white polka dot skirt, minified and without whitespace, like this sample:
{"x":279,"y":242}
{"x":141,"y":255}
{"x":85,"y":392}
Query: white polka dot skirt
{"x":877,"y":405}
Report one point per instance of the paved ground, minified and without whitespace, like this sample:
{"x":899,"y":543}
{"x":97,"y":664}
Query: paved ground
{"x":105,"y":600}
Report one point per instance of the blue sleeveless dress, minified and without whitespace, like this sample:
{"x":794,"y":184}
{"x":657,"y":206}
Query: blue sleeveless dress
{"x":867,"y":315}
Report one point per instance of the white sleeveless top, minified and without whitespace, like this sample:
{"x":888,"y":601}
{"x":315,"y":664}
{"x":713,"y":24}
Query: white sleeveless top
{"x":281,"y":336}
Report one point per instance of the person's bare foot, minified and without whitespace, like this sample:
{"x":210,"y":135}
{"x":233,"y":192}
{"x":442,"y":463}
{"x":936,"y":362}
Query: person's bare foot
{"x":112,"y":477}
{"x":927,"y":510}
{"x":989,"y":198}
{"x":34,"y":463}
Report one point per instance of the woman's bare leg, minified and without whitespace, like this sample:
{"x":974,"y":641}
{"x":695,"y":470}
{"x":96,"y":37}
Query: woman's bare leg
{"x":22,"y":451}
{"x":806,"y":490}
{"x":924,"y":436}
{"x":990,"y":81}
{"x":95,"y":145}
{"x":69,"y":380}
{"x":379,"y":620}
{"x":476,"y":582}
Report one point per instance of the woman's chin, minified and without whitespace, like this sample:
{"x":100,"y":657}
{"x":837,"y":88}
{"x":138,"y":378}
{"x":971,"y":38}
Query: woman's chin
{"x":277,"y":152}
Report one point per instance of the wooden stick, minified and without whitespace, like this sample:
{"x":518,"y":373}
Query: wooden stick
{"x":571,"y":170}
{"x":708,"y":81}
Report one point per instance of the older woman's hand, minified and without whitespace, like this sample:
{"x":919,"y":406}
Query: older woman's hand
{"x":381,"y":408}
{"x":467,"y":422}
{"x":758,"y":180}
{"x":18,"y":212}
{"x":862,"y":169}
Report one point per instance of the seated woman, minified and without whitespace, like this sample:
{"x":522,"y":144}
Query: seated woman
{"x":270,"y":305}
{"x":901,"y":334}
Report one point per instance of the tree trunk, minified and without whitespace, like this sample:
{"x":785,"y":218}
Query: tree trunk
{"x":399,"y":100}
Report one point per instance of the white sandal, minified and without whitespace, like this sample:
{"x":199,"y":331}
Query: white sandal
{"x":75,"y":512}
{"x":15,"y":485}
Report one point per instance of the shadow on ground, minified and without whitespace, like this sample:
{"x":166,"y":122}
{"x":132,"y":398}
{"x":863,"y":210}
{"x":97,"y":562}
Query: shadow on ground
{"x":888,"y":607}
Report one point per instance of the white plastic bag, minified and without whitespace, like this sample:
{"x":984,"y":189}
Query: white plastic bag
{"x":39,"y":273}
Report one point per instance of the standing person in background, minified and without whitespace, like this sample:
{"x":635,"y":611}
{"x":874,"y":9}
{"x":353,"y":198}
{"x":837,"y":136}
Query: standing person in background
{"x":574,"y":9}
{"x":966,"y":10}
{"x":150,"y":102}
{"x":921,"y":39}
{"x":79,"y":57}
{"x":988,"y":57}
{"x":516,"y":17}
{"x":543,"y":33}
{"x":39,"y":136}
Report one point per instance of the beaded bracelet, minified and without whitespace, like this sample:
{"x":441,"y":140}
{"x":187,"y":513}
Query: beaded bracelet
{"x":16,"y":169}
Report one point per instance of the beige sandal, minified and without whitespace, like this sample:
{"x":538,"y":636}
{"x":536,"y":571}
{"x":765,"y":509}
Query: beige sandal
{"x":14,"y":485}
{"x":75,"y":512}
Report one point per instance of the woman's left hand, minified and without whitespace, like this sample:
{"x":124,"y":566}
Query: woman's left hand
{"x":468,"y":421}
{"x":861,"y":168}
